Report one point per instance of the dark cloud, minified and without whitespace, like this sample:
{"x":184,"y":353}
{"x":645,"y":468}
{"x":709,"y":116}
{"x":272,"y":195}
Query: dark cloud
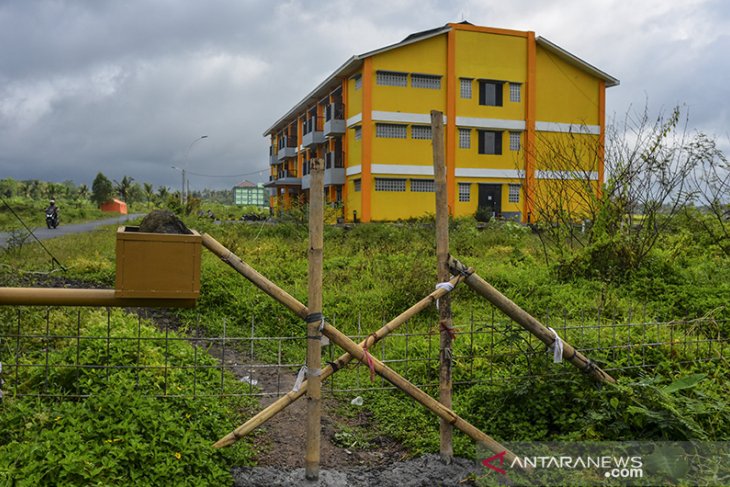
{"x":125,"y":87}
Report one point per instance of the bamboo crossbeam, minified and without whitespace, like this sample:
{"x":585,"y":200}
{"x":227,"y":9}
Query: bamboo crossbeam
{"x":344,"y":342}
{"x":14,"y":296}
{"x":527,"y":321}
{"x":284,"y":401}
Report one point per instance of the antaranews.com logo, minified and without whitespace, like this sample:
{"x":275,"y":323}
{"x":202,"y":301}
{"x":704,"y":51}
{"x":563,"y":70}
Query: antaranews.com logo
{"x":607,"y":463}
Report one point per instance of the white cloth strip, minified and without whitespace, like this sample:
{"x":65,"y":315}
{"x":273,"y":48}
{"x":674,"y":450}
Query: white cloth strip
{"x":556,"y":347}
{"x":444,"y":285}
{"x":300,"y":379}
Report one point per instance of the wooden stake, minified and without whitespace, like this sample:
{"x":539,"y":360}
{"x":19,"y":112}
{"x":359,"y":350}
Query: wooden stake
{"x":527,"y":321}
{"x":314,"y":336}
{"x":442,"y":273}
{"x":280,"y":404}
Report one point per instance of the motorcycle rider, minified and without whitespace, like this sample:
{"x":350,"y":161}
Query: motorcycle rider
{"x":52,"y":214}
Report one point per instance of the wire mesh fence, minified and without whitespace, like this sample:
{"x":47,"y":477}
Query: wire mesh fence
{"x":75,"y":352}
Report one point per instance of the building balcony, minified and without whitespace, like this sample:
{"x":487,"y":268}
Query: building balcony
{"x":284,"y":178}
{"x":287,"y":148}
{"x":333,"y":174}
{"x":334,"y":123}
{"x":272,"y":156}
{"x":312,"y":138}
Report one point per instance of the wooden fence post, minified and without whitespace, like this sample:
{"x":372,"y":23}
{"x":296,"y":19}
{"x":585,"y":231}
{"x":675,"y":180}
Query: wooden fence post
{"x":314,"y":319}
{"x":442,"y":272}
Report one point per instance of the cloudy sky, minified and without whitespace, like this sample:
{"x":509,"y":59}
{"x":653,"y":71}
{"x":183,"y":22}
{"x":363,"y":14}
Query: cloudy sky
{"x":125,"y":87}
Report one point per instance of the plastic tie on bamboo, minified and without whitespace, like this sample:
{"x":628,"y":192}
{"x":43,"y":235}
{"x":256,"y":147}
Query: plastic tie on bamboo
{"x":313,"y":318}
{"x":444,"y":285}
{"x":556,"y":347}
{"x":300,"y":379}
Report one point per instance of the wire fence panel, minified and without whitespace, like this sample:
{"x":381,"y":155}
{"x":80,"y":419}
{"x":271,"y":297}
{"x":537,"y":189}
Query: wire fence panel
{"x":77,"y":352}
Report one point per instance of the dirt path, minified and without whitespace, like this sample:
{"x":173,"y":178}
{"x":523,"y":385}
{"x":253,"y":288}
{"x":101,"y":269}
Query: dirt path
{"x":281,"y":441}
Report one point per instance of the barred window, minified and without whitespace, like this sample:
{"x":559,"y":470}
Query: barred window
{"x":514,"y":141}
{"x":515,"y":92}
{"x":514,"y":193}
{"x":390,"y":184}
{"x":422,"y":186}
{"x":464,"y":138}
{"x":358,"y":133}
{"x":466,"y":88}
{"x":391,"y":78}
{"x":421,"y":132}
{"x":356,"y":184}
{"x":426,"y":81}
{"x":464,"y":192}
{"x":358,"y":81}
{"x":390,"y":131}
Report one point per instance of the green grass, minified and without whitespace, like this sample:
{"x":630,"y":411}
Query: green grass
{"x":374,"y":272}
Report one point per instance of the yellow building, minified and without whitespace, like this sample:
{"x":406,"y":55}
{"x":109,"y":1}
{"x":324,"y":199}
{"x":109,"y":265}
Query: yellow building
{"x":507,"y":97}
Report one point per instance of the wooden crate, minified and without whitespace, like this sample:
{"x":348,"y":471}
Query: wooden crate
{"x":157,"y":265}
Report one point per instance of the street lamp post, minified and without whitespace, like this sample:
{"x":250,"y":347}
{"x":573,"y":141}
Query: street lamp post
{"x":185,"y":164}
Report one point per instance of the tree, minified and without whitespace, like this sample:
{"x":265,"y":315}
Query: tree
{"x":609,"y":231}
{"x":101,"y":189}
{"x":122,"y":187}
{"x":149,"y":192}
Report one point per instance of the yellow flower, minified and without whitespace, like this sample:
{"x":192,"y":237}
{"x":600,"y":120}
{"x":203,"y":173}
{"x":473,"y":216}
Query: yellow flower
{"x":178,"y":455}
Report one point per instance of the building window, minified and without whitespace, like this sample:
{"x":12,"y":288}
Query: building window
{"x":514,"y":141}
{"x":358,"y":81}
{"x":421,"y":132}
{"x":490,"y":93}
{"x":490,"y":142}
{"x":390,"y":184}
{"x":422,"y":186}
{"x":515,"y":92}
{"x":391,"y":78}
{"x":356,"y":185}
{"x":390,"y":131}
{"x":464,"y":192}
{"x":426,"y":81}
{"x":514,"y":193}
{"x":466,"y":87}
{"x":464,"y":138}
{"x":358,"y":133}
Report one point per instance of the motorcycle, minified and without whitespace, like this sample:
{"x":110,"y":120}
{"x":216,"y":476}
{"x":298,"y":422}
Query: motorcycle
{"x":51,"y":219}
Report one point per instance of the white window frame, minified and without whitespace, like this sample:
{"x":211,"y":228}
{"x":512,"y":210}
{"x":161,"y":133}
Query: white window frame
{"x":391,"y":78}
{"x":396,"y":185}
{"x":515,"y":92}
{"x":390,"y":131}
{"x":421,"y":132}
{"x":465,"y":87}
{"x":464,"y":138}
{"x":429,"y":81}
{"x":422,"y":186}
{"x":464,"y":192}
{"x":514,"y":193}
{"x":515,"y":141}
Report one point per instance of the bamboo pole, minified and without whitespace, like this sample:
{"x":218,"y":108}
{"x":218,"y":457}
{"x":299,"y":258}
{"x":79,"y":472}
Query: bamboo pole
{"x":280,"y":404}
{"x":314,"y":336}
{"x":353,"y":349}
{"x":442,"y":273}
{"x":527,"y":321}
{"x":443,"y":412}
{"x":32,"y":296}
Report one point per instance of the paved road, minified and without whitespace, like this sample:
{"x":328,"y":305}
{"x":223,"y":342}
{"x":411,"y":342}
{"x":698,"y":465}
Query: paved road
{"x":44,"y":233}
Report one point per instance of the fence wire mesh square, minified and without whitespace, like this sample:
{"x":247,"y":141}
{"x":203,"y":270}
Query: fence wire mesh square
{"x":75,"y":352}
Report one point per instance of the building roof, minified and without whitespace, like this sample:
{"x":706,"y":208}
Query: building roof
{"x":245,"y":184}
{"x":353,"y":64}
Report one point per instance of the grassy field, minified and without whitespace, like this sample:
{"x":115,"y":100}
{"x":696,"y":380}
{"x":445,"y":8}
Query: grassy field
{"x":372,"y":273}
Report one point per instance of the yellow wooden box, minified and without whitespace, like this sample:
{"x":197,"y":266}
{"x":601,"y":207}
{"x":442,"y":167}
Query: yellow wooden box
{"x":157,"y":265}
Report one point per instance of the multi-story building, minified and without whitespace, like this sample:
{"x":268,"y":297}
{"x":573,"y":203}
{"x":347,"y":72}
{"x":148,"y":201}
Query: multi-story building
{"x":247,"y":193}
{"x":503,"y":93}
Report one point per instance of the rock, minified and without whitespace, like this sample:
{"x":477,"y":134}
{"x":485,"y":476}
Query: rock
{"x":163,"y":221}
